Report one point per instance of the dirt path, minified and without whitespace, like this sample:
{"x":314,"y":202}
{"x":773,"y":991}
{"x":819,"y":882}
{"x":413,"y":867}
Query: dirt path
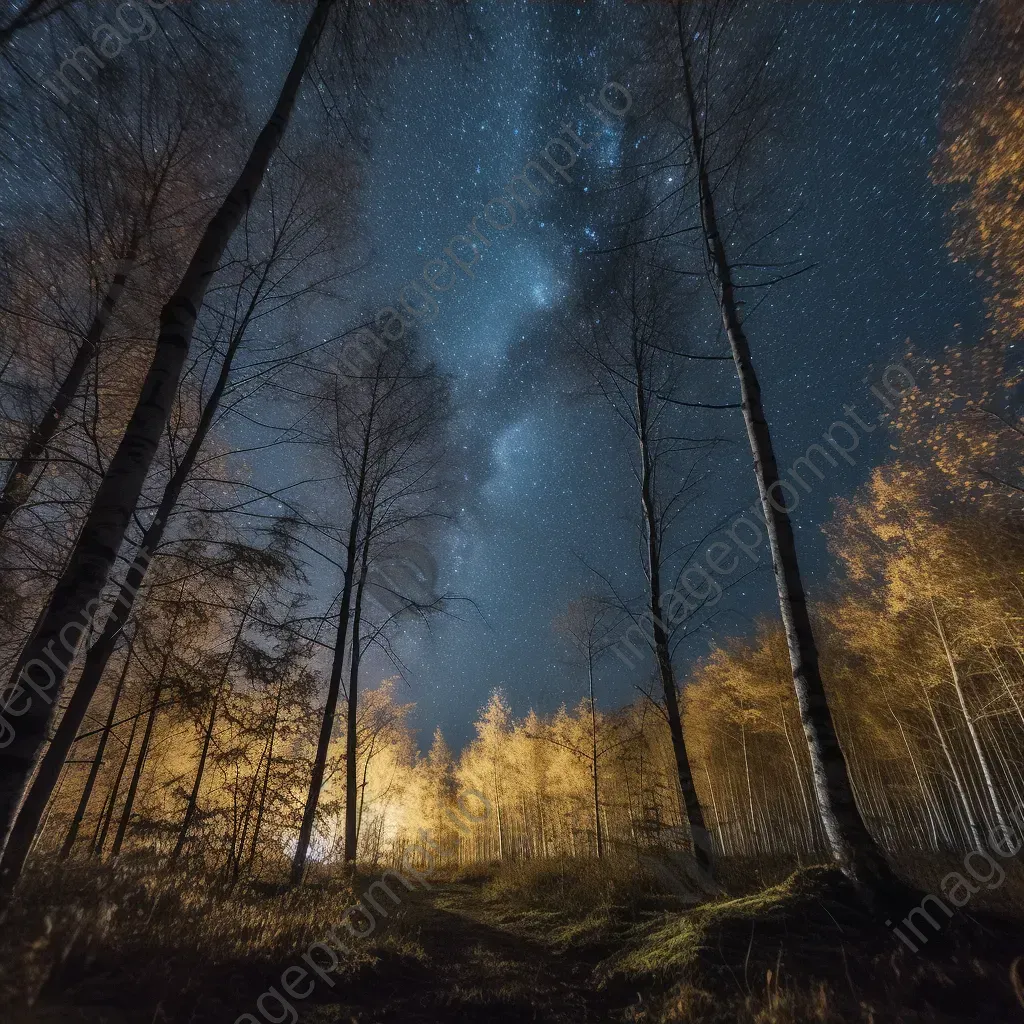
{"x":471,"y":969}
{"x":444,"y":958}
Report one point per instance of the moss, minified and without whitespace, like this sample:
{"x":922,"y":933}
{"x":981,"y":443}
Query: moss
{"x":674,"y":943}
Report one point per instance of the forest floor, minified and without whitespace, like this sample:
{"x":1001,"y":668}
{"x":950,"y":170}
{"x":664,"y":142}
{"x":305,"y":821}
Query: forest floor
{"x":564,"y":943}
{"x":469,"y":966}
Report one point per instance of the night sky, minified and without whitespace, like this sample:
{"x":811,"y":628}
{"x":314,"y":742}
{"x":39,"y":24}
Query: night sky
{"x":555,"y":481}
{"x":545,"y":474}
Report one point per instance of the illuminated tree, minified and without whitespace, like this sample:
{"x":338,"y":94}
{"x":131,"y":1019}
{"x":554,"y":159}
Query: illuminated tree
{"x":982,"y":156}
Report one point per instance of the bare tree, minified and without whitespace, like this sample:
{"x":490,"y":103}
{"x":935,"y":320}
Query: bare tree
{"x":71,"y":606}
{"x":630,"y":358}
{"x":706,"y":50}
{"x":126,"y":175}
{"x":385,"y":416}
{"x":588,"y":624}
{"x":278,"y":261}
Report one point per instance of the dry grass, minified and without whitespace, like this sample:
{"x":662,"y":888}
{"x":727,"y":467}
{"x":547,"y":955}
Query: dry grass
{"x":808,"y":952}
{"x":134,"y":934}
{"x":134,"y":942}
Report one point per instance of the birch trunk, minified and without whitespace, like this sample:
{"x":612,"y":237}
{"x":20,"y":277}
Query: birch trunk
{"x":666,"y":671}
{"x":852,"y":845}
{"x":333,"y":688}
{"x":73,"y":603}
{"x":973,"y":825}
{"x":972,"y":730}
{"x":351,"y":736}
{"x":798,"y":773}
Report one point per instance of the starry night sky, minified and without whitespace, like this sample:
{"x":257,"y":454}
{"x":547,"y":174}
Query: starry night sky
{"x":553,"y":481}
{"x":546,"y":476}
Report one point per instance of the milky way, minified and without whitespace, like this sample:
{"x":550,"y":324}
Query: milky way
{"x":554,"y":491}
{"x":546,"y":484}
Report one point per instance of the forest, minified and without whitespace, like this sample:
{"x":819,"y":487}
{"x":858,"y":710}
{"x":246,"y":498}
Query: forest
{"x":511,"y":511}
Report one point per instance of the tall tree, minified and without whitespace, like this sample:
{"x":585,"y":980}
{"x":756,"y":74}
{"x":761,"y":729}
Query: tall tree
{"x":385,"y":421}
{"x":293,"y":244}
{"x":587,"y":624}
{"x":699,"y":34}
{"x":626,"y":344}
{"x":71,"y":607}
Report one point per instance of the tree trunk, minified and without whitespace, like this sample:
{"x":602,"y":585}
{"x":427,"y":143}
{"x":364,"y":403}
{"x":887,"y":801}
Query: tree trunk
{"x":977,"y":833}
{"x":193,"y":799}
{"x":702,"y":850}
{"x":351,"y":736}
{"x":49,"y":810}
{"x":926,"y":794}
{"x":266,"y":782}
{"x":90,"y":782}
{"x":362,"y":790}
{"x":140,"y":764}
{"x":972,"y":731}
{"x":12,"y":860}
{"x":333,"y":687}
{"x":73,"y":603}
{"x":853,"y":846}
{"x":18,"y":487}
{"x":99,"y":839}
{"x":497,"y":808}
{"x":714,"y":809}
{"x":808,"y":815}
{"x":593,"y":737}
{"x":234,"y":865}
{"x":755,"y":843}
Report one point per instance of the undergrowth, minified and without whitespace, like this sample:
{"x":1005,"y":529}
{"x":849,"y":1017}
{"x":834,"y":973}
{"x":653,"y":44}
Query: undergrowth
{"x":134,"y":933}
{"x":151,"y":944}
{"x":804,"y":950}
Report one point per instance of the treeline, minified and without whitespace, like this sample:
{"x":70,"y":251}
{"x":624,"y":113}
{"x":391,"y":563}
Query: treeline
{"x":924,"y":655}
{"x":925,"y":658}
{"x":184,"y":636}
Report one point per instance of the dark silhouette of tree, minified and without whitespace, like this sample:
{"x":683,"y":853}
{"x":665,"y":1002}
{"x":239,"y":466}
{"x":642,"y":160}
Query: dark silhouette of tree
{"x":70,"y":608}
{"x":385,"y":416}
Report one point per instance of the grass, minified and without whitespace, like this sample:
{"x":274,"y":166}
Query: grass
{"x":134,"y":937}
{"x":581,"y":905}
{"x":806,"y":950}
{"x":802,"y":950}
{"x":558,"y":941}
